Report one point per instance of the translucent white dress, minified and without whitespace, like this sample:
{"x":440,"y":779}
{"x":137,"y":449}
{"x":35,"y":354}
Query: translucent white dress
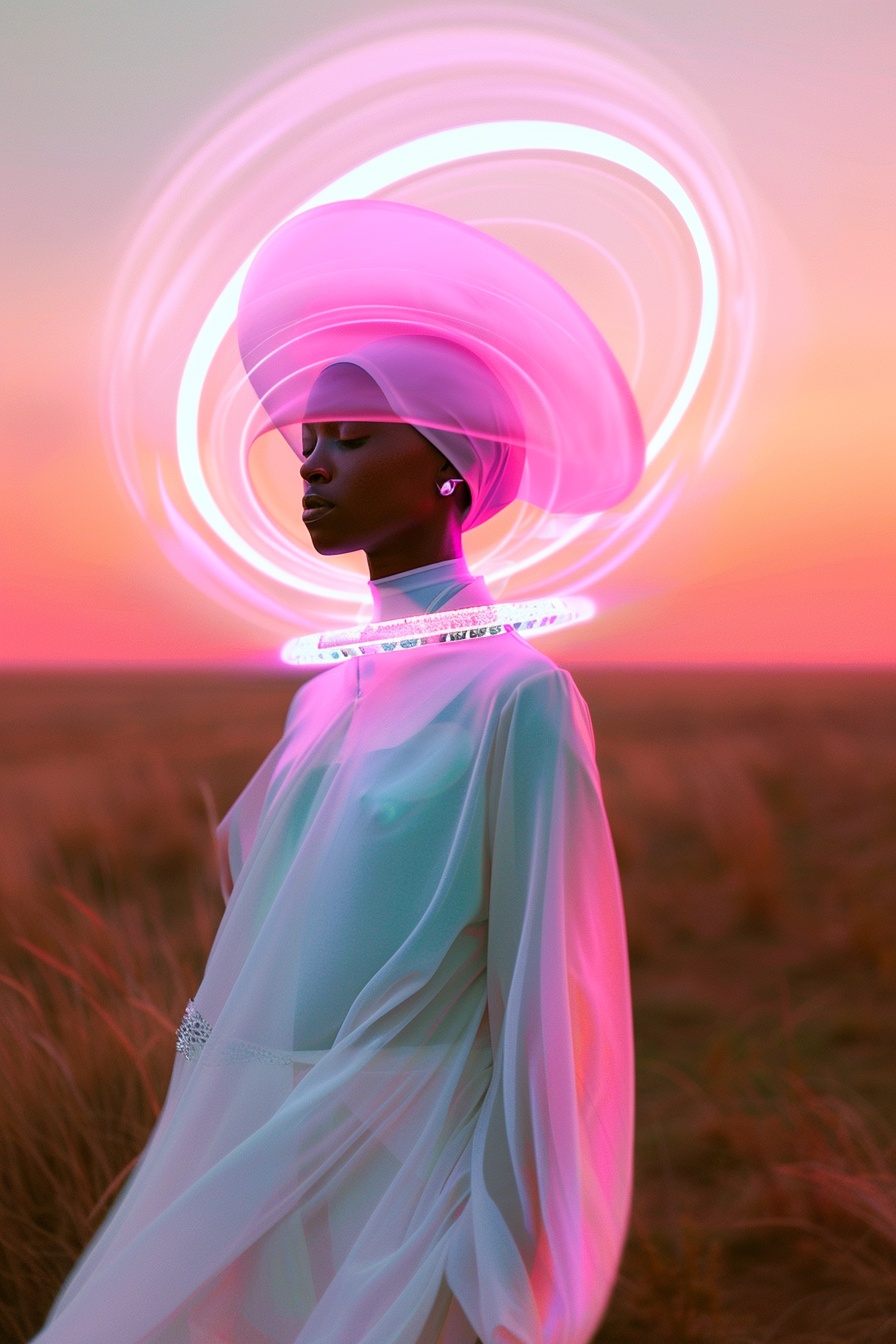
{"x":404,"y":1114}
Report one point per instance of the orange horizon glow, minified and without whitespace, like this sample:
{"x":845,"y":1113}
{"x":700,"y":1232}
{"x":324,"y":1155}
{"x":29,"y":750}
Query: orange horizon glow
{"x":782,"y":549}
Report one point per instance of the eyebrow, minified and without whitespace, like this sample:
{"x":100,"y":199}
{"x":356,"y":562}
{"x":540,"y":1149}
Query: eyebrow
{"x":331,"y":428}
{"x":338,"y":424}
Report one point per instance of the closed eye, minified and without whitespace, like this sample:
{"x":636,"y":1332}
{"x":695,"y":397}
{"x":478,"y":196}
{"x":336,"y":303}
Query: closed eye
{"x":310,"y":439}
{"x":353,"y":432}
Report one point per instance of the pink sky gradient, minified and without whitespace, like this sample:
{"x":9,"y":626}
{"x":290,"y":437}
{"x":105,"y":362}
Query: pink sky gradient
{"x":782,"y":550}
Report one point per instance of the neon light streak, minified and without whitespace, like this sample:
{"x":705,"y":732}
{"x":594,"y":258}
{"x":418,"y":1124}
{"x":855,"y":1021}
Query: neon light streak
{"x":529,"y":619}
{"x":387,"y":170}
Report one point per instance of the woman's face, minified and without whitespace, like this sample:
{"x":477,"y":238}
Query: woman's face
{"x":372,"y":485}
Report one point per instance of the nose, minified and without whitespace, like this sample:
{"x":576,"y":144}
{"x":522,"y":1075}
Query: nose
{"x":314,"y":467}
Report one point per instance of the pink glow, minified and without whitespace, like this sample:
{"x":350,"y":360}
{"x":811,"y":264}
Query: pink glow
{"x":605,"y":233}
{"x":463,"y":337}
{"x":528,"y":619}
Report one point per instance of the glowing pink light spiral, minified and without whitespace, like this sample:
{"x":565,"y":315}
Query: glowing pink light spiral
{"x":614,"y":187}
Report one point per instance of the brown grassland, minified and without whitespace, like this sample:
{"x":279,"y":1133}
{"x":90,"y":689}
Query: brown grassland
{"x":754,"y":815}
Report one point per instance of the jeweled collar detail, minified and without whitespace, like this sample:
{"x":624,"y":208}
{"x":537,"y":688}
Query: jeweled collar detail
{"x":438,"y":627}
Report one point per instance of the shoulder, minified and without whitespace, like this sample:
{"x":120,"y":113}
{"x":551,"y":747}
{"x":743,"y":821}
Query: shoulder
{"x":543,"y":701}
{"x":513,"y":661}
{"x":319,"y":690}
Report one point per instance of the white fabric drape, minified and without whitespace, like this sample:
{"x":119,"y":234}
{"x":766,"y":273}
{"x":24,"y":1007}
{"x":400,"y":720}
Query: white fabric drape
{"x":412,"y":1120}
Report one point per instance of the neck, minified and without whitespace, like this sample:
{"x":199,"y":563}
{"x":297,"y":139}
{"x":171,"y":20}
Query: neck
{"x":413,"y":552}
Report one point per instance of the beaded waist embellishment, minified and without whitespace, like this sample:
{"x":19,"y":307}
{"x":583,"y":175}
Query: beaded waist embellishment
{"x":193,"y":1032}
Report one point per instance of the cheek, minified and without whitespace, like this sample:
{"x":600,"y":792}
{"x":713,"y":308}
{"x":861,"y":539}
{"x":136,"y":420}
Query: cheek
{"x":375,"y":485}
{"x":394,"y":484}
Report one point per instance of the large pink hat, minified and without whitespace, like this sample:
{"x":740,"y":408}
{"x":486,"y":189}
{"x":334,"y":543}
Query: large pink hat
{"x":469,"y":341}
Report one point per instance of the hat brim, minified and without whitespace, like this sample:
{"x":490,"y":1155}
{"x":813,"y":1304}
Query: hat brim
{"x":341,"y":276}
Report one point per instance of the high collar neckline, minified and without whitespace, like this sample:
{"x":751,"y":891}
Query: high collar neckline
{"x":427,"y":588}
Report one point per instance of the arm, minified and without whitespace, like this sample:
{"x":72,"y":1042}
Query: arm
{"x":537,"y":1248}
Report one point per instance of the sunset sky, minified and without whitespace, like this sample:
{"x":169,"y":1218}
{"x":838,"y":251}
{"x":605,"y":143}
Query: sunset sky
{"x":782,"y":550}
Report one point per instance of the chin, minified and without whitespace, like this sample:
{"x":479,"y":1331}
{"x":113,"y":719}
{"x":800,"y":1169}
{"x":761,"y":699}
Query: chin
{"x":333,"y":545}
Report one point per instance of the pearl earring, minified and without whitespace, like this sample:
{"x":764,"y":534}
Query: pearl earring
{"x":447,"y":487}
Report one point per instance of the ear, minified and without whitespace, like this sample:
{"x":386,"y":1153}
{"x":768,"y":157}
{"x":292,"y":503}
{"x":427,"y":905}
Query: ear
{"x":445,"y":473}
{"x":448,"y":474}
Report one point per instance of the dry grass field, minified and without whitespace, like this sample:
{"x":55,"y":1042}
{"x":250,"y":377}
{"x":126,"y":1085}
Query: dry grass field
{"x":754,"y":815}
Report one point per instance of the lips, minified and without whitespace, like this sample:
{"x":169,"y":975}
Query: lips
{"x":314,"y":507}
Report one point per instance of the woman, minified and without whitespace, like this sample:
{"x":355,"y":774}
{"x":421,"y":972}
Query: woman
{"x":401,"y":1108}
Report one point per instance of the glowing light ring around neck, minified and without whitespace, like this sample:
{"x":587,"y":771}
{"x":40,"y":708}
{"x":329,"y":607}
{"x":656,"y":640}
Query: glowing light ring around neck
{"x":387,"y":170}
{"x":529,"y":619}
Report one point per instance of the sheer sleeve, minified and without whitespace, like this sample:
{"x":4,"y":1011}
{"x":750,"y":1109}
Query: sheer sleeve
{"x":535,"y":1252}
{"x":239,"y":826}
